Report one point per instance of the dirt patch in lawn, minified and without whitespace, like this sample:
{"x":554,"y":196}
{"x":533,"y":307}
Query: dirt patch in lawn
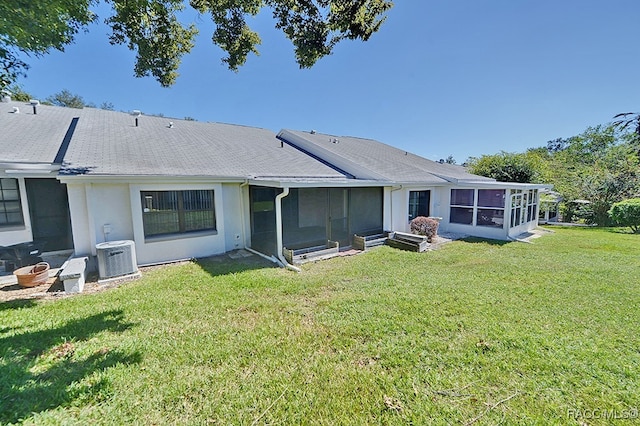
{"x":54,"y":288}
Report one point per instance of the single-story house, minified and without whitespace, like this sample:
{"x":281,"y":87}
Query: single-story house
{"x":75,"y":178}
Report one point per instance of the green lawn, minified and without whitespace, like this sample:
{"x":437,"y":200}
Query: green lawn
{"x":475,"y":333}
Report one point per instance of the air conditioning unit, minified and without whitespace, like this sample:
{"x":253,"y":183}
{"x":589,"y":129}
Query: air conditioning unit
{"x":116,"y":258}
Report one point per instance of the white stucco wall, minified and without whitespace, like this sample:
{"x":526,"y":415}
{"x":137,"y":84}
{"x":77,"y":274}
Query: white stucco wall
{"x":235,"y":213}
{"x":94,"y":205}
{"x":111,"y":207}
{"x":117,"y":206}
{"x":79,"y":219}
{"x":399,"y":201}
{"x":176,"y":247}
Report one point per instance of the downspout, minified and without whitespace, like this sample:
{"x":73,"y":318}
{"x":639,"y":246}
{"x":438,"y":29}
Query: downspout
{"x":264,"y":256}
{"x":279,"y":198}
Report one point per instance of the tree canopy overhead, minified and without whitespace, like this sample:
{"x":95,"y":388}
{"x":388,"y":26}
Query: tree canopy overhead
{"x":153,"y":30}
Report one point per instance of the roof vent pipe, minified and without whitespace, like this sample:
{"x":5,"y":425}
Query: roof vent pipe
{"x":136,"y":113}
{"x":34,"y":103}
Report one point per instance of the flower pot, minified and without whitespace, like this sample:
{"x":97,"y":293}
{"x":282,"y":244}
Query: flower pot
{"x":33,"y":275}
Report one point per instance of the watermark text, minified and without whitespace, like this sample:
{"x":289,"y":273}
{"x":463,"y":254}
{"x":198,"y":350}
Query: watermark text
{"x":606,"y":414}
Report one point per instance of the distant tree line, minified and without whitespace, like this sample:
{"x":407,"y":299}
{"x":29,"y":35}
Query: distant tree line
{"x":63,"y":98}
{"x":601,"y":165}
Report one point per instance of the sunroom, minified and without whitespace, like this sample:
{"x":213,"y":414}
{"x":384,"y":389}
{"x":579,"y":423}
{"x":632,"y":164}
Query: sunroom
{"x":493,"y":210}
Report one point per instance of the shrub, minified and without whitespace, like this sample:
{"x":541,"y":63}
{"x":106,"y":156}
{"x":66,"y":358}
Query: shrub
{"x":425,"y":226}
{"x":627,"y":213}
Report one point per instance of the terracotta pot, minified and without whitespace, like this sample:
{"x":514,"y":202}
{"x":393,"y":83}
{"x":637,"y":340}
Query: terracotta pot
{"x":33,"y":275}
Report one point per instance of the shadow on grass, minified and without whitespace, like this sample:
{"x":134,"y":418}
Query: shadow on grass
{"x":40,"y":370}
{"x":476,"y":240}
{"x":591,"y":228}
{"x":17,"y":304}
{"x":224,"y":265}
{"x":625,"y":231}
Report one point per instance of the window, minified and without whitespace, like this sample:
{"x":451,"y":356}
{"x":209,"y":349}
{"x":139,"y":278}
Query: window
{"x":10,"y":206}
{"x":524,"y":206}
{"x":177,"y":212}
{"x":490,"y":208}
{"x":516,"y":208}
{"x":419,"y":204}
{"x":462,"y":201}
{"x":532,"y":206}
{"x":491,"y":198}
{"x":462,"y":197}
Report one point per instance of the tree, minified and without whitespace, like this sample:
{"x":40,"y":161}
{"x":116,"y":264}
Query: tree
{"x":152,"y":28}
{"x":107,"y":105}
{"x":603,"y":188}
{"x":600,"y":165}
{"x":626,"y":120}
{"x":19,"y":94}
{"x":36,"y":27}
{"x":65,"y":98}
{"x":505,"y":167}
{"x":557,"y":145}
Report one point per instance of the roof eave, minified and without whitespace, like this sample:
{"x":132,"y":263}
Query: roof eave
{"x":28,"y":168}
{"x":77,"y":178}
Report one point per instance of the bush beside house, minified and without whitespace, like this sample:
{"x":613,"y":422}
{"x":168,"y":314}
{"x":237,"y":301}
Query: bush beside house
{"x":627,"y":213}
{"x":425,"y":226}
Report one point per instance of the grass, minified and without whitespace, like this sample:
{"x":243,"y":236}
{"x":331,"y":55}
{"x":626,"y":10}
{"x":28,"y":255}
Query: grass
{"x":478,"y":332}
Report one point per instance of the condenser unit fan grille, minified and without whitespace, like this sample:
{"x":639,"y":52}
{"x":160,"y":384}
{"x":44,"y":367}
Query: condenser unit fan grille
{"x":116,"y":258}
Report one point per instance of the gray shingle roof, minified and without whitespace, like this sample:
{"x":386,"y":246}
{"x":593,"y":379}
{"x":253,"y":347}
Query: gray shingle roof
{"x":29,"y":138}
{"x":384,"y":160}
{"x":109,"y":143}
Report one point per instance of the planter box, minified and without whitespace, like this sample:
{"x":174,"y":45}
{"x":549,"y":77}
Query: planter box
{"x":368,"y":241}
{"x":410,"y":242}
{"x":303,"y":255}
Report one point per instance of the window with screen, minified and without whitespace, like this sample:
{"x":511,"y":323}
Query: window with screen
{"x":177,"y":212}
{"x":10,"y":205}
{"x":490,"y":211}
{"x":461,"y":210}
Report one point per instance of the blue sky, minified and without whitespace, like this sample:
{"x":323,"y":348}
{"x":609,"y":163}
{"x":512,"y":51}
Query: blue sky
{"x":442,"y":77}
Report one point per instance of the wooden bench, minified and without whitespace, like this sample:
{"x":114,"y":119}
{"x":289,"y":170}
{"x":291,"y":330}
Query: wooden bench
{"x":72,"y":274}
{"x":410,"y":242}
